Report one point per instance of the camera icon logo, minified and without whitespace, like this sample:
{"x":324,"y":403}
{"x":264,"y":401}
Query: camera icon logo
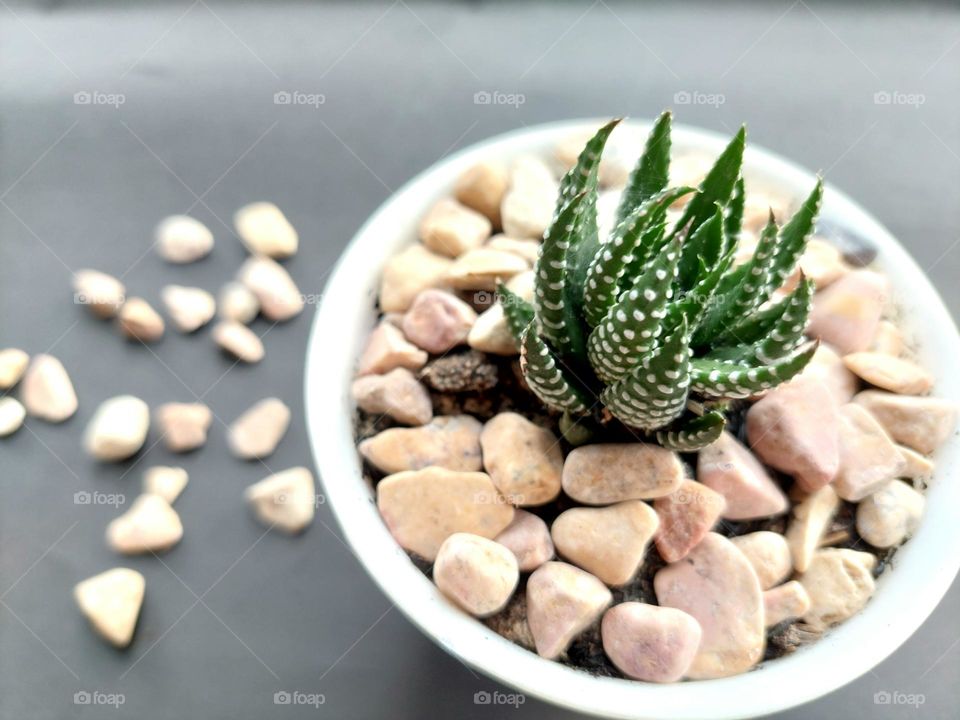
{"x":282,"y":98}
{"x":882,"y":98}
{"x":82,"y":497}
{"x":81,"y":697}
{"x":82,"y":98}
{"x":282,"y":697}
{"x":882,"y":698}
{"x":482,"y":698}
{"x":682,"y":98}
{"x":482,"y":97}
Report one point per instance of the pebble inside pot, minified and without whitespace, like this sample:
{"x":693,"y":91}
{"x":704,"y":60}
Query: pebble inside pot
{"x":639,"y":417}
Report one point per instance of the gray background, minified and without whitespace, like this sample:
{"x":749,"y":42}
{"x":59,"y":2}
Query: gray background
{"x":232,"y":615}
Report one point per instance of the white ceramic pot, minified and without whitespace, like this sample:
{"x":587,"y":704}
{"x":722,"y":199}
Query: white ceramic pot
{"x":923,"y":568}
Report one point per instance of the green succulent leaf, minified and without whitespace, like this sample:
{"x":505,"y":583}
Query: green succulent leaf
{"x":655,"y":392}
{"x":652,"y":171}
{"x":693,"y":432}
{"x":606,"y":271}
{"x":787,"y":333}
{"x":752,"y":329}
{"x":651,"y":242}
{"x":558,"y":320}
{"x":733,"y":219}
{"x":728,"y":379}
{"x":542,"y":371}
{"x":706,"y":244}
{"x":793,"y":239}
{"x":584,"y":173}
{"x":631,"y":326}
{"x":717,"y":187}
{"x":518,"y":312}
{"x":695,"y":303}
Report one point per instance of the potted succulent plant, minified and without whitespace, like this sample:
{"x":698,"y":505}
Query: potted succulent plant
{"x":652,"y":431}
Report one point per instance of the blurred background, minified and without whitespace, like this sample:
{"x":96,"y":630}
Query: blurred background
{"x":115,"y":115}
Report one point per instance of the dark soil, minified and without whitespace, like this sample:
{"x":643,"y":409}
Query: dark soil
{"x":483,"y":385}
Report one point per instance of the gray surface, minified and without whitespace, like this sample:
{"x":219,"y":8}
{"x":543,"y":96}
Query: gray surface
{"x":83,"y":185}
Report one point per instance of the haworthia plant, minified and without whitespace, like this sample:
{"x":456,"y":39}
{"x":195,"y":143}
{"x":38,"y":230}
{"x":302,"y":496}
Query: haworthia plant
{"x":655,"y":320}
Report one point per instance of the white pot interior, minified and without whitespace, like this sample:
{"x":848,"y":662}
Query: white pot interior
{"x":906,"y":593}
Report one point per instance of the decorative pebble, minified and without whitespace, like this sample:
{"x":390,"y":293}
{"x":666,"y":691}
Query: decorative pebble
{"x":868,"y":457}
{"x":280,"y":298}
{"x":839,"y":583}
{"x":189,"y":307}
{"x":491,"y":333}
{"x":111,"y":601}
{"x":794,"y":428}
{"x":562,"y":602}
{"x":482,"y":188}
{"x":258,"y":431}
{"x":482,"y":268}
{"x":397,"y":393}
{"x":286,"y":500}
{"x":449,"y":441}
{"x":686,"y":516}
{"x":13,"y":363}
{"x":731,"y":469}
{"x":718,"y":587}
{"x":922,"y":423}
{"x":608,"y":542}
{"x":650,"y":643}
{"x":139,"y":321}
{"x":827,"y":366}
{"x":523,"y":460}
{"x":890,"y":515}
{"x":265,"y":230}
{"x":12,"y":414}
{"x":237,"y":302}
{"x":239,"y":341}
{"x":422,"y":508}
{"x":183,"y":426}
{"x":46,"y":390}
{"x":476,"y":573}
{"x":525,"y":248}
{"x":527,"y":208}
{"x":437,"y":321}
{"x":889,"y":339}
{"x":387,"y":349}
{"x":847,"y":313}
{"x":149,"y":525}
{"x":607,"y":473}
{"x":451,"y":229}
{"x":915,"y":465}
{"x":183,"y":239}
{"x":890,"y":373}
{"x":522,"y":284}
{"x":165,"y":481}
{"x":118,"y":428}
{"x":102,"y":293}
{"x":407,"y":274}
{"x":811,"y":518}
{"x":528,"y":538}
{"x":768,"y":553}
{"x":785,"y":602}
{"x":822,"y":263}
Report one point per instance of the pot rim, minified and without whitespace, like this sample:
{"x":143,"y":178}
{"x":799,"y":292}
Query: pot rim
{"x":918,"y":578}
